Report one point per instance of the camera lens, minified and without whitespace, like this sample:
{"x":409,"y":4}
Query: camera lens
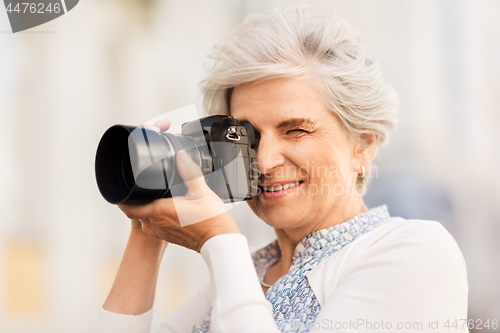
{"x":135,"y":165}
{"x":128,"y":175}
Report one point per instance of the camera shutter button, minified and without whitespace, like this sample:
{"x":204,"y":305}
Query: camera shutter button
{"x":230,"y":121}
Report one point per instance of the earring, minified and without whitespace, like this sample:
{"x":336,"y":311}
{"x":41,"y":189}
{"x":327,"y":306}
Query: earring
{"x":362,"y":174}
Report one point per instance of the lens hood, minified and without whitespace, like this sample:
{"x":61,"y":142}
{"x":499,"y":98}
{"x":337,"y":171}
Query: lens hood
{"x":131,"y":165}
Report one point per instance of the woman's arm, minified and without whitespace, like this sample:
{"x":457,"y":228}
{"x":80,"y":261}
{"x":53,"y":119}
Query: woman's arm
{"x":128,"y":307}
{"x":188,"y":221}
{"x":238,"y":302}
{"x":133,"y":291}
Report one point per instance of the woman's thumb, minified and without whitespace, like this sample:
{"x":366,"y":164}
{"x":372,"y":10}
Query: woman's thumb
{"x":190,"y":173}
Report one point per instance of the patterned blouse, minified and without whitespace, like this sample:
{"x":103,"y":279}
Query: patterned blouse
{"x":295,"y":307}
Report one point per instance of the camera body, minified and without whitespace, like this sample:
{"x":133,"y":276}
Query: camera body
{"x":135,"y":165}
{"x":231,"y":172}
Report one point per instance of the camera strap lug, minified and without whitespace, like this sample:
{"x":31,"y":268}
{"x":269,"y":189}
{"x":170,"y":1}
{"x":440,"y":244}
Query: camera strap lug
{"x":232,"y":134}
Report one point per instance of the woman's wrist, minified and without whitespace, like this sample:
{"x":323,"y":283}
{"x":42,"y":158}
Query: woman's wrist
{"x":147,"y":244}
{"x":134,"y":287}
{"x":140,"y":238}
{"x":228,"y":226}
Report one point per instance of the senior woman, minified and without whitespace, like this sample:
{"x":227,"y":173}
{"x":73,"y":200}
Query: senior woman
{"x":320,"y":110}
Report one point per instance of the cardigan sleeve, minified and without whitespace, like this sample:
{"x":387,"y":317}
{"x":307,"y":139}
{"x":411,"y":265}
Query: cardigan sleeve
{"x":234,"y":293}
{"x":414,"y":279}
{"x":110,"y":322}
{"x":239,"y":304}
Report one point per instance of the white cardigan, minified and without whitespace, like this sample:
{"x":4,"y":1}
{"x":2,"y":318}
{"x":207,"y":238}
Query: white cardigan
{"x":404,"y":275}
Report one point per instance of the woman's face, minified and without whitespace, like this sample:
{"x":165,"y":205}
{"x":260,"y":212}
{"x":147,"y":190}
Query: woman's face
{"x":300,"y":141}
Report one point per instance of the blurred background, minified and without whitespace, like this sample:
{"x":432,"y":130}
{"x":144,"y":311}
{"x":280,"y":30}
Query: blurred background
{"x":62,"y":84}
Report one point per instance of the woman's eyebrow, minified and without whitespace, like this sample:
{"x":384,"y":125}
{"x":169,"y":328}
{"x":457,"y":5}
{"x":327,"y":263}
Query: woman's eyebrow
{"x":287,"y":123}
{"x":294,"y":122}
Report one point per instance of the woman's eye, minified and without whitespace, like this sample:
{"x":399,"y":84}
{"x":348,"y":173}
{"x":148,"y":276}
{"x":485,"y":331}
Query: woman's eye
{"x":296,"y":130}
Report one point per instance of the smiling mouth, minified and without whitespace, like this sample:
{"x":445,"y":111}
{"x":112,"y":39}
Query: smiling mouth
{"x":279,"y":188}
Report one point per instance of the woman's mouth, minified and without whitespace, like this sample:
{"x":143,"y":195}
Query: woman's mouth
{"x":278,"y":191}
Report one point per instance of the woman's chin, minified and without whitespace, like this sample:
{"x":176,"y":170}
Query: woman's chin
{"x":281,"y":221}
{"x":277,"y":225}
{"x":280,"y":215}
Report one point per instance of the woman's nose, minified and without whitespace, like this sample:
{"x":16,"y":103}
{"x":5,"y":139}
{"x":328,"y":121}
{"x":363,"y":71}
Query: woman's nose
{"x":269,"y":155}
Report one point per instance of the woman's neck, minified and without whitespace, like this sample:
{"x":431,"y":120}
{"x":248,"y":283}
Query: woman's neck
{"x":289,"y":238}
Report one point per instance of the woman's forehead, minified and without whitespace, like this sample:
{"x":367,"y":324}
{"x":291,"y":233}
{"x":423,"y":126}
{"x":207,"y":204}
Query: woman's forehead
{"x":284,"y":101}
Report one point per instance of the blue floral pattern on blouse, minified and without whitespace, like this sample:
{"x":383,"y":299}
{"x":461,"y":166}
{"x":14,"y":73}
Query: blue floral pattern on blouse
{"x":295,"y":307}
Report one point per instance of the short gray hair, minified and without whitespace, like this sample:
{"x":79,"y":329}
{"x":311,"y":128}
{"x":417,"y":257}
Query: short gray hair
{"x":305,"y":42}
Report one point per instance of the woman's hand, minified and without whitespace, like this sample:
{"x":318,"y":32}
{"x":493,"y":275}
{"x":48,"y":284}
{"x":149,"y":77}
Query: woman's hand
{"x":190,"y":220}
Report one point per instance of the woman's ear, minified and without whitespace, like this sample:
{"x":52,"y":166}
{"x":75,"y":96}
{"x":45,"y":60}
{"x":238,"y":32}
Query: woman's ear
{"x":365,"y":151}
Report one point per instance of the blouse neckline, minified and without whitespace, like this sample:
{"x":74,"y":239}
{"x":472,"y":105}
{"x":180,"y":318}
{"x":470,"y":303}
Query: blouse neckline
{"x":318,"y":242}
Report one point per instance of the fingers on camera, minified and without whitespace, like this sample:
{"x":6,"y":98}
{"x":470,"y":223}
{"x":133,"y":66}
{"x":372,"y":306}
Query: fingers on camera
{"x":153,"y":128}
{"x":163,"y":124}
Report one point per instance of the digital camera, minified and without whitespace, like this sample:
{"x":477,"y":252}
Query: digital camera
{"x":136,"y":165}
